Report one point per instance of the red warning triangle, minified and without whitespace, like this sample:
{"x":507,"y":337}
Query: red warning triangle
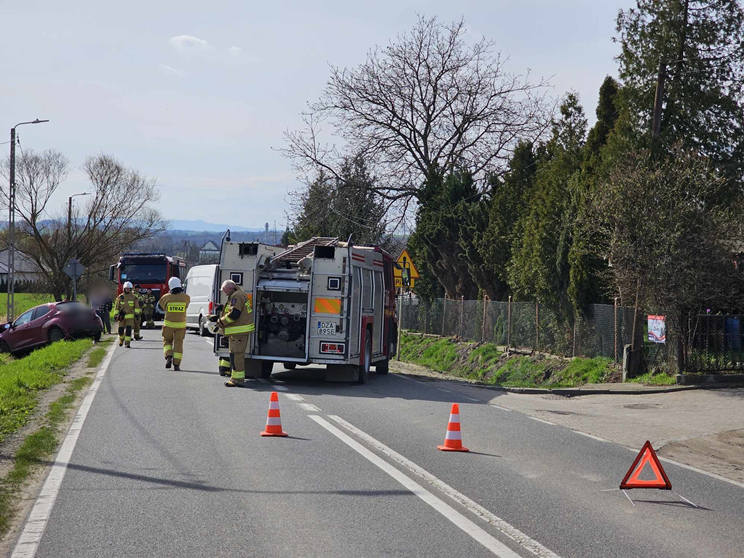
{"x":647,"y":456}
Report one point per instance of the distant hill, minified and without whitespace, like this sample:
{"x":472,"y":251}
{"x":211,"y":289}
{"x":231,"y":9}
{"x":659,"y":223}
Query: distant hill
{"x":203,"y":226}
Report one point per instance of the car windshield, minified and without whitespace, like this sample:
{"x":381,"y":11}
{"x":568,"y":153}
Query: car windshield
{"x":143,"y":273}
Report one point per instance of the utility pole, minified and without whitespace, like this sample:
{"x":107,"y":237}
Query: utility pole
{"x":11,"y":221}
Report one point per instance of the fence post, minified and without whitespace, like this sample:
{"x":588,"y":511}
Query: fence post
{"x":426,"y":318}
{"x":616,"y":330}
{"x":462,"y":314}
{"x":400,"y":325}
{"x":573,"y":350}
{"x":508,"y":323}
{"x":483,"y":324}
{"x":444,"y":313}
{"x":537,"y":325}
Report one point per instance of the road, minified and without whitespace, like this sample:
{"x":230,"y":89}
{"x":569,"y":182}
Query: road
{"x":171,"y":464}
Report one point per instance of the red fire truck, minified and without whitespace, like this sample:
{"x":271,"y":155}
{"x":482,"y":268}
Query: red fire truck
{"x":149,"y":270}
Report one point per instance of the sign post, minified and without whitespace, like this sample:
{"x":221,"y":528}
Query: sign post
{"x":74,"y":269}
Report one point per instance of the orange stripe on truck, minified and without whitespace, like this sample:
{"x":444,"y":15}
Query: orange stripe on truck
{"x":327,"y":305}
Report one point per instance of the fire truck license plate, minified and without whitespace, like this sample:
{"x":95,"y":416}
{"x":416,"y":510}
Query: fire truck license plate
{"x":326,"y":328}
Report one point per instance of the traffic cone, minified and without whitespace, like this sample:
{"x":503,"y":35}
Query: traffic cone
{"x":453,"y":438}
{"x":274,"y":418}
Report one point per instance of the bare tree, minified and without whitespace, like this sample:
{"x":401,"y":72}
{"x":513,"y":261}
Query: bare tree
{"x":421,"y":107}
{"x":118,"y":214}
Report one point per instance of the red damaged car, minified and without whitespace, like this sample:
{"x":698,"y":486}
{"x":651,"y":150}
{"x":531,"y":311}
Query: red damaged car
{"x":48,"y":323}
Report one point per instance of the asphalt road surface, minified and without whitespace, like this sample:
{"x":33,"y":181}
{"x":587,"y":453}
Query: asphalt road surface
{"x":171,"y":464}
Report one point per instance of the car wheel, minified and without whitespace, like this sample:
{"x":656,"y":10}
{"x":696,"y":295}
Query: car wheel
{"x":364,"y":368}
{"x":4,"y":348}
{"x":56,"y":334}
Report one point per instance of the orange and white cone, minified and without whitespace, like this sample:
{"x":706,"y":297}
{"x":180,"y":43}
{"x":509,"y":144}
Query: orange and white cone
{"x":274,"y":418}
{"x":453,"y":438}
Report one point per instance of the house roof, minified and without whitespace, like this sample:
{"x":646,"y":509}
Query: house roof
{"x":210,"y":247}
{"x":23,"y":264}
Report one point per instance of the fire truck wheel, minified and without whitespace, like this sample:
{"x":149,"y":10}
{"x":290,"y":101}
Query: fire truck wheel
{"x":364,"y":368}
{"x":266,"y":367}
{"x":383,"y":367}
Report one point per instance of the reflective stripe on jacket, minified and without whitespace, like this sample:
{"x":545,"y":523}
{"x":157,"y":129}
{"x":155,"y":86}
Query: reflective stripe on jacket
{"x":239,"y":301}
{"x":174,"y":306}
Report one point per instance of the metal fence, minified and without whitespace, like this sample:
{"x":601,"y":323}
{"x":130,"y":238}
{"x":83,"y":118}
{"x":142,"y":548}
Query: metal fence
{"x":715,"y":343}
{"x":526,"y":325}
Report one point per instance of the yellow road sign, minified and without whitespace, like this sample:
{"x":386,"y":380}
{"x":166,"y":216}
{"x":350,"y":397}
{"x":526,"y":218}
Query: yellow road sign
{"x":407,"y":272}
{"x":399,"y":283}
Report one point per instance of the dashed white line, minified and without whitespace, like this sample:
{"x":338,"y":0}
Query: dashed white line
{"x":500,"y":408}
{"x":543,"y":421}
{"x":488,"y":541}
{"x":310,"y":407}
{"x":294,"y":397}
{"x":28,"y":542}
{"x":280,"y":388}
{"x":509,"y":530}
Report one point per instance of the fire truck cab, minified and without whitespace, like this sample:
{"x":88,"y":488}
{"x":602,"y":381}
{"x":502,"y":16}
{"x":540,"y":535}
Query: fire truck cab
{"x":323,"y":301}
{"x":148,"y":270}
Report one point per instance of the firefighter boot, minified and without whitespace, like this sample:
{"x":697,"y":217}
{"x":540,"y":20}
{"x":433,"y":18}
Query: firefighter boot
{"x":121,"y":342}
{"x":138,"y":338}
{"x":177,"y":367}
{"x":234,"y":383}
{"x":168,"y":361}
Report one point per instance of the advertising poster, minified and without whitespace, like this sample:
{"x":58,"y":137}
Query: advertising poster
{"x":656,"y":329}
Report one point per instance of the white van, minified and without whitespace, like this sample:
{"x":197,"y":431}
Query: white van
{"x":199,"y":285}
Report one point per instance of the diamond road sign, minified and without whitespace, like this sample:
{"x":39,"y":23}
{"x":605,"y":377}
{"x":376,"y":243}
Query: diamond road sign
{"x":74,"y":269}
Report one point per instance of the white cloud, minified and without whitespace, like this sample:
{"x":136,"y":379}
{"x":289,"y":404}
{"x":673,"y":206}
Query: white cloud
{"x":235,"y":51}
{"x":188,"y":43}
{"x":171,"y":71}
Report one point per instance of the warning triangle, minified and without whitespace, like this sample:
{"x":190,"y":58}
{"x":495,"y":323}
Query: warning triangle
{"x":647,"y":456}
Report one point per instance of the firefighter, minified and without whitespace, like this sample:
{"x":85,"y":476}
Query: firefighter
{"x":148,"y":309}
{"x":237,"y":323}
{"x":126,"y":308}
{"x":174,"y":305}
{"x":225,"y":367}
{"x":138,"y":314}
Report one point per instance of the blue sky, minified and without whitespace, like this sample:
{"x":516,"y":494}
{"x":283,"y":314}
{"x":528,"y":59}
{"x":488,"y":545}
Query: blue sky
{"x":199,"y":94}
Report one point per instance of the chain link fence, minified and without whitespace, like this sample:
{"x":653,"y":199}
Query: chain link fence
{"x":525,"y":325}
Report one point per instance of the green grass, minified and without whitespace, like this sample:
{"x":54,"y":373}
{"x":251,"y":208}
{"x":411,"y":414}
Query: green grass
{"x":96,"y":357}
{"x":23,"y":301}
{"x":21,"y":380}
{"x":35,"y":448}
{"x":486,"y":363}
{"x":650,"y":379}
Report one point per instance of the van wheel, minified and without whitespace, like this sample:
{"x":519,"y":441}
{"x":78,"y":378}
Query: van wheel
{"x":364,"y":368}
{"x":202,"y":329}
{"x":266,"y":367}
{"x":56,"y":334}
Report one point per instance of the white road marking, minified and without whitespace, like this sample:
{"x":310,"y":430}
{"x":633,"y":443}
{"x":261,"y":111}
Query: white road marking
{"x":509,"y":530}
{"x":208,"y":342}
{"x":501,"y":408}
{"x":262,"y":380}
{"x":543,"y":421}
{"x":590,"y":436}
{"x":310,"y":407}
{"x":491,"y":543}
{"x":281,"y":388}
{"x":294,"y":397}
{"x":28,"y":542}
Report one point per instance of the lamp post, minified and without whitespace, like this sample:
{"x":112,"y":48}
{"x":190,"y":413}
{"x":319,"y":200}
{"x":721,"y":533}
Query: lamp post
{"x":69,"y":215}
{"x":11,"y":220}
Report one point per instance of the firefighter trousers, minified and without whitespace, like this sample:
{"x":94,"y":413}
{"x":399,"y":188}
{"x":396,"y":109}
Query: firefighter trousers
{"x":125,"y":331}
{"x":173,"y":342}
{"x":238,"y":345}
{"x":147,"y":313}
{"x":137,"y":324}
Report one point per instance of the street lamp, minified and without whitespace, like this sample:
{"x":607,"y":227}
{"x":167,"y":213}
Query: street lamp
{"x":69,"y":214}
{"x":11,"y":219}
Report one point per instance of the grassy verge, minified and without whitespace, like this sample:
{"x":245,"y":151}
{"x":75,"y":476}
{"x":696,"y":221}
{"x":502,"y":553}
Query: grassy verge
{"x":22,"y":302}
{"x":21,"y":380}
{"x":97,"y":355}
{"x":35,"y":448}
{"x":488,"y":364}
{"x":661,"y":379}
